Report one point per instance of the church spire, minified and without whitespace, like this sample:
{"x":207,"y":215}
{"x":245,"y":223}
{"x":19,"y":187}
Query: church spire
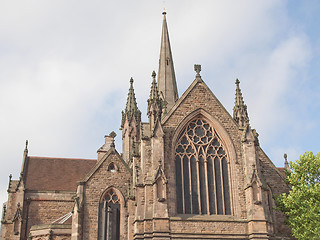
{"x":240,"y":114}
{"x":166,"y":77}
{"x":131,"y":109}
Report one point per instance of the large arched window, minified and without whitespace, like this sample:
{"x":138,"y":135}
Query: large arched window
{"x":109,"y":216}
{"x":202,"y":179}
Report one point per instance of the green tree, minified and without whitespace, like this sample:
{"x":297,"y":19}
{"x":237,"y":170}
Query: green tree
{"x":302,"y":204}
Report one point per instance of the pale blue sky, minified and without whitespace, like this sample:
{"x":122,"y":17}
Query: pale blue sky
{"x":65,"y":68}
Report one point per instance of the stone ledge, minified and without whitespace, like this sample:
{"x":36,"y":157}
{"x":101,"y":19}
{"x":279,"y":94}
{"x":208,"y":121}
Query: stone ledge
{"x":209,"y":218}
{"x":47,"y":231}
{"x":50,"y":226}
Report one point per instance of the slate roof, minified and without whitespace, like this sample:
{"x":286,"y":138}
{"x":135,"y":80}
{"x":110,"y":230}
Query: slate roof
{"x":58,"y":174}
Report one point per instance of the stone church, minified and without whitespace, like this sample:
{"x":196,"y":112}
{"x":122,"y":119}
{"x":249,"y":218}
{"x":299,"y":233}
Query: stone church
{"x":192,"y":171}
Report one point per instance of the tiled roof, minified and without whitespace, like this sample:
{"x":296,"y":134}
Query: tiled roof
{"x":60,"y":174}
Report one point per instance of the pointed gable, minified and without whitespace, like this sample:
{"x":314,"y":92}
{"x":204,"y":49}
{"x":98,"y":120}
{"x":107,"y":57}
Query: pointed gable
{"x":199,"y":96}
{"x":112,"y":156}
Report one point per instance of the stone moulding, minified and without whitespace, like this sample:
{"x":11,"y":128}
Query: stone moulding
{"x":44,"y":230}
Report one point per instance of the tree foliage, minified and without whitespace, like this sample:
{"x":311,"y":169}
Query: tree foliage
{"x":302,"y":204}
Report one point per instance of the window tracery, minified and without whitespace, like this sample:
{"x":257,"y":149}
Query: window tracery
{"x":201,"y":171}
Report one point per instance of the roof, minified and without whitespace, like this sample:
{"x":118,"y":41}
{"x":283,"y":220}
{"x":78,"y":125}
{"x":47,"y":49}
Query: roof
{"x":58,"y":174}
{"x":282,"y":171}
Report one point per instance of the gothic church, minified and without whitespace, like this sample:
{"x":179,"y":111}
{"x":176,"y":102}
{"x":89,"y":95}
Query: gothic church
{"x":192,"y":171}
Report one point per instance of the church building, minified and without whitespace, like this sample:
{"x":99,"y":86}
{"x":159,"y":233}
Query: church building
{"x":192,"y":171}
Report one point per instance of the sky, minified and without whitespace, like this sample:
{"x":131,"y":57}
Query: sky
{"x":65,"y":68}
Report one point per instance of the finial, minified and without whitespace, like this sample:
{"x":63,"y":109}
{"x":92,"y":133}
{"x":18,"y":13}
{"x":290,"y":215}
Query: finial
{"x":10,"y":178}
{"x":159,"y":162}
{"x":240,"y":114}
{"x":197,"y":68}
{"x":154,"y":74}
{"x":286,"y":164}
{"x":164,"y":11}
{"x":26,"y":148}
{"x":131,"y":109}
{"x":112,"y":135}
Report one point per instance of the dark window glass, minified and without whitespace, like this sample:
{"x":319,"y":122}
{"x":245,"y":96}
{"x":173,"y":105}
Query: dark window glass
{"x":179,"y":185}
{"x":226,"y":187}
{"x":212,"y":201}
{"x":218,"y":185}
{"x":203,"y":194}
{"x":109,"y":217}
{"x":186,"y":185}
{"x":194,"y":182}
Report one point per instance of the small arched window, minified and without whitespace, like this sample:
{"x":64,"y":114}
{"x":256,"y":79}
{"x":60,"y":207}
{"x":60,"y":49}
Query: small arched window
{"x":112,"y":167}
{"x":202,"y":181}
{"x":109,"y":217}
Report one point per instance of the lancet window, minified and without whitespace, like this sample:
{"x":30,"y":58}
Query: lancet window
{"x":109,"y":217}
{"x":202,"y":178}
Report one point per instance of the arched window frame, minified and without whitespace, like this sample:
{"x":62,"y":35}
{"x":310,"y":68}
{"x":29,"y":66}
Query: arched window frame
{"x":112,"y":167}
{"x":102,"y":232}
{"x":229,"y":148}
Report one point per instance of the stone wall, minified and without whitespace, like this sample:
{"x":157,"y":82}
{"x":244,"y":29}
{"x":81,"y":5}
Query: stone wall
{"x":97,"y":184}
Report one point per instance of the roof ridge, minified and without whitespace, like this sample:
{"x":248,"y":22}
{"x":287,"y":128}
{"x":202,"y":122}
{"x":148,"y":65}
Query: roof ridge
{"x":63,"y":158}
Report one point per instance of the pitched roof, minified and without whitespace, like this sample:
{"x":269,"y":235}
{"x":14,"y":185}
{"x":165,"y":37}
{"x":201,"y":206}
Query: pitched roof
{"x":59,"y":174}
{"x":282,"y":171}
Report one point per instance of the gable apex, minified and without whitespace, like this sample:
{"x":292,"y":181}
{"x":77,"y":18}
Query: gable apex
{"x":198,"y":81}
{"x":102,"y":160}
